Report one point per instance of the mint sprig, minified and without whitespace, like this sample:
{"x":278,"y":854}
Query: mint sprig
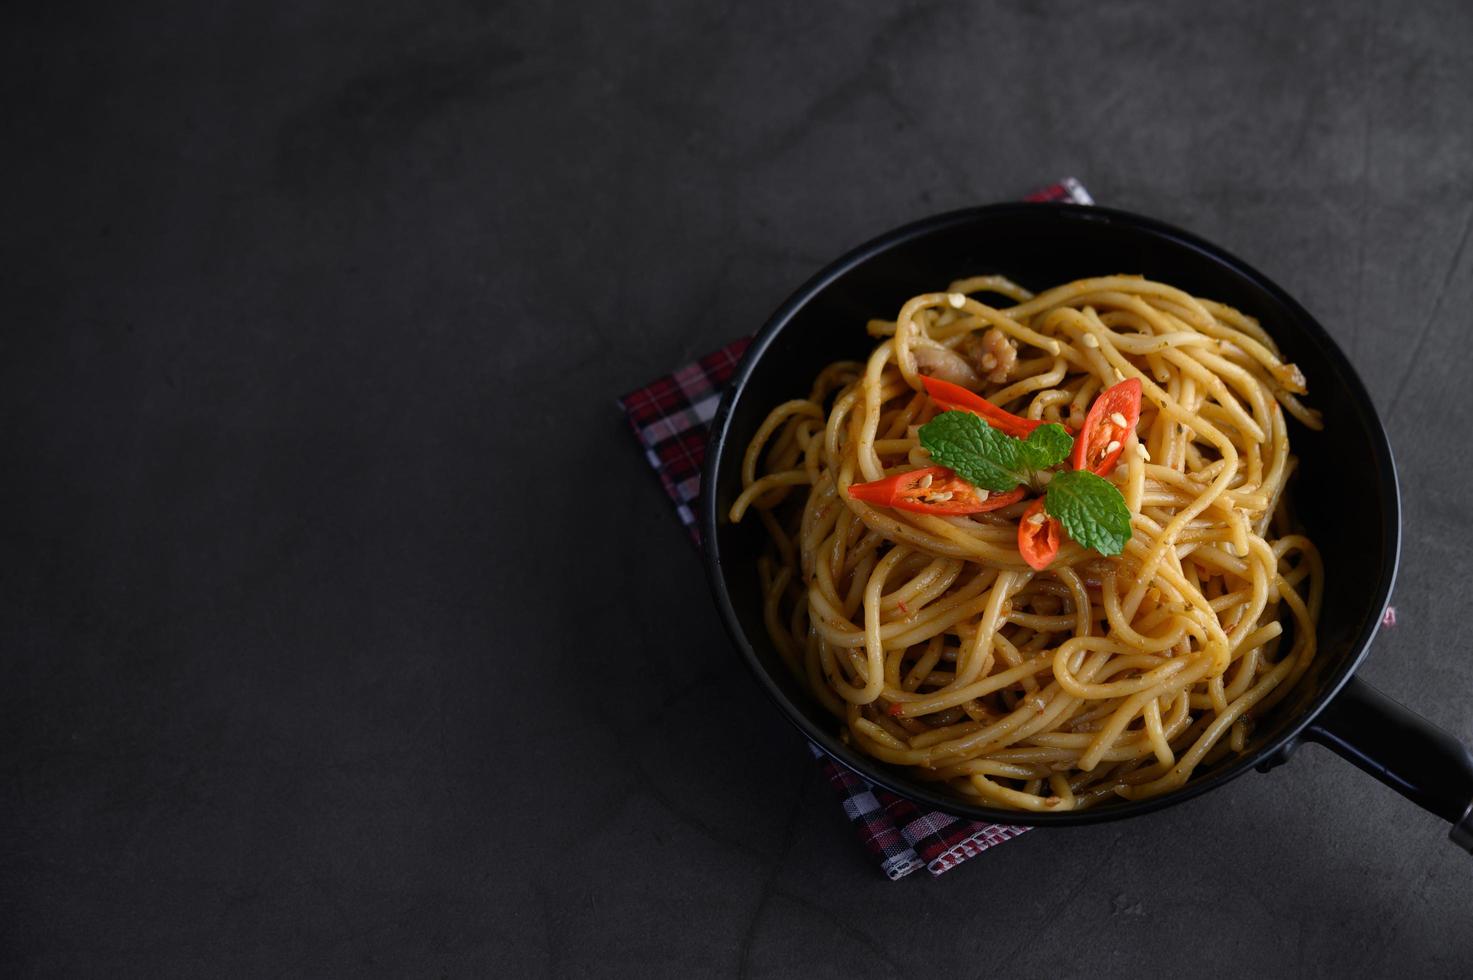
{"x":988,"y":458}
{"x":1091,"y":509}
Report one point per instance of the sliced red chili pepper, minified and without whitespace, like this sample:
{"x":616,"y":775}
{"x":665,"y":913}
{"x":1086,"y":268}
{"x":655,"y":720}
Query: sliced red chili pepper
{"x":932,"y":490}
{"x":1111,"y":418}
{"x":952,"y":396}
{"x":1039,"y":540}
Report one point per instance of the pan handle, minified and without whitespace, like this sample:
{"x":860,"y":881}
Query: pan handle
{"x":1405,"y":751}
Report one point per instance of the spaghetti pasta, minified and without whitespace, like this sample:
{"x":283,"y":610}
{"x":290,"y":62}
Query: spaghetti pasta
{"x":939,"y":649}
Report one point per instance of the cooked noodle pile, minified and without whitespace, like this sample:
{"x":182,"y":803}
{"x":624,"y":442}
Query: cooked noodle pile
{"x":932,"y":642}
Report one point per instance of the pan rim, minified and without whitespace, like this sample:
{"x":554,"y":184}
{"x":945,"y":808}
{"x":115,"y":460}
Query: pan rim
{"x":893,"y":779}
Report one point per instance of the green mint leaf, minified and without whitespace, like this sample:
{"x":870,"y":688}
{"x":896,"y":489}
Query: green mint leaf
{"x":980,"y":454}
{"x":1045,"y":446}
{"x":1091,"y":509}
{"x":989,"y":458}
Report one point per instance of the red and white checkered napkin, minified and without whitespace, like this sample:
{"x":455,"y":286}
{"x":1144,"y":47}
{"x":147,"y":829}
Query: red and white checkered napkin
{"x":671,"y":417}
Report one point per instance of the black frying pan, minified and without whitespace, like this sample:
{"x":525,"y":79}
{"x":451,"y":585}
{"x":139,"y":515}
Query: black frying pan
{"x":1346,"y":471}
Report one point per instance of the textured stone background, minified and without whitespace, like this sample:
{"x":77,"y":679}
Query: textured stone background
{"x":343,"y":631}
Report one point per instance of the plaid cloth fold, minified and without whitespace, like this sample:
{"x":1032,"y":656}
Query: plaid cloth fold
{"x":671,"y":417}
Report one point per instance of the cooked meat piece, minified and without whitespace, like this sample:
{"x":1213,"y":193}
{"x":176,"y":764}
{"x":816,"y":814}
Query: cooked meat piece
{"x":993,"y":354}
{"x":939,"y":362}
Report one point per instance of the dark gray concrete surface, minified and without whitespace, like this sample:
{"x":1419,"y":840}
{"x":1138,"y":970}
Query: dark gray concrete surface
{"x":342,"y":629}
